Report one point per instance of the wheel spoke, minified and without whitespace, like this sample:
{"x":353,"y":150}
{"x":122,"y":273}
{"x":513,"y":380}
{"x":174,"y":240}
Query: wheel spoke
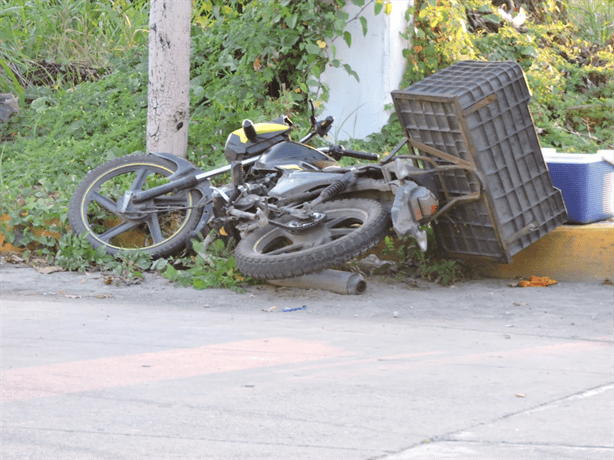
{"x":106,"y":203}
{"x":139,"y":180}
{"x":339,"y":232}
{"x":154,"y":228}
{"x":115,"y":231}
{"x":286,"y":249}
{"x":335,"y":221}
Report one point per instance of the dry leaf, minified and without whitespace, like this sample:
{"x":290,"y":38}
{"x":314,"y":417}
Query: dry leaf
{"x":69,"y":296}
{"x":14,"y":259}
{"x":537,"y":281}
{"x":49,"y":269}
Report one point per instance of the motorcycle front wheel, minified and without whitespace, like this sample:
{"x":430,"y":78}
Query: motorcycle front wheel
{"x":350,"y":228}
{"x":160,"y":226}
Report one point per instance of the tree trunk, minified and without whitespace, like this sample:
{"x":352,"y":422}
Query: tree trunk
{"x":168,"y":110}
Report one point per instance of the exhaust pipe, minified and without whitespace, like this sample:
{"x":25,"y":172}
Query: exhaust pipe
{"x":328,"y":280}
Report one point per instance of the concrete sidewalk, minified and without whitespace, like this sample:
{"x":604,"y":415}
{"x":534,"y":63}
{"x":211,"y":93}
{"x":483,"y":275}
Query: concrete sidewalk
{"x":479,"y":370}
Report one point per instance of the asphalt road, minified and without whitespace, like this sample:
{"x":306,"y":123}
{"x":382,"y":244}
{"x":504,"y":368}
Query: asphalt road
{"x":479,"y":370}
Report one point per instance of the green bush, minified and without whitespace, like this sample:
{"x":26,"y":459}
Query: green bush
{"x":571,"y":78}
{"x":63,"y":42}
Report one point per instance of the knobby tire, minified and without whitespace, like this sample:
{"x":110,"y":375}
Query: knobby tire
{"x":353,"y":226}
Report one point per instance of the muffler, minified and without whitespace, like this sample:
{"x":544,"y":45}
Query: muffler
{"x":328,"y":280}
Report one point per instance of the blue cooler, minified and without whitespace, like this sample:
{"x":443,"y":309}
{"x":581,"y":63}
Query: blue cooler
{"x":587,"y":183}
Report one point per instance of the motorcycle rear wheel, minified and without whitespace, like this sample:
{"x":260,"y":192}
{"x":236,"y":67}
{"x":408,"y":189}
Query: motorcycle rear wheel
{"x":352,"y":226}
{"x":161,"y":226}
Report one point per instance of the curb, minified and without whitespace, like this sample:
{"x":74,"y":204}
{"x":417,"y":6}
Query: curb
{"x":568,"y":253}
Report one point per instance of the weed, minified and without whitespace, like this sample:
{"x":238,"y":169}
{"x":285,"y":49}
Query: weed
{"x":50,"y":42}
{"x":216,"y":268}
{"x":411,"y":261}
{"x":128,"y":266}
{"x":75,"y":253}
{"x":596,"y":18}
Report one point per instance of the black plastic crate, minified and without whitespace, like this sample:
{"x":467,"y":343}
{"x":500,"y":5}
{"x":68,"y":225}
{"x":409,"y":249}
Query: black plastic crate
{"x":476,"y":114}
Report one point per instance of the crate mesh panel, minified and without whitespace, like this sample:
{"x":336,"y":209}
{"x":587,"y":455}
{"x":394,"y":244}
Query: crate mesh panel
{"x":478,"y":112}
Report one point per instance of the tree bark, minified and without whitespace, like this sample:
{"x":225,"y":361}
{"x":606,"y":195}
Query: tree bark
{"x":168,"y":112}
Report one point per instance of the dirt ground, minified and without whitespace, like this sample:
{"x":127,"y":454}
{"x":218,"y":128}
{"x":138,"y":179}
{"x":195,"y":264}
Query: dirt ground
{"x":383,"y":299}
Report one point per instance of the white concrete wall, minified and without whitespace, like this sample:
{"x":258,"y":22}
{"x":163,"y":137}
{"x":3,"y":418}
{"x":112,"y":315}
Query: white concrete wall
{"x":377,"y":58}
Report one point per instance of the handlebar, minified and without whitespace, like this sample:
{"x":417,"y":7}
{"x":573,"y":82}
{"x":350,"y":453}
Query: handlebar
{"x":339,"y":151}
{"x":361,"y":155}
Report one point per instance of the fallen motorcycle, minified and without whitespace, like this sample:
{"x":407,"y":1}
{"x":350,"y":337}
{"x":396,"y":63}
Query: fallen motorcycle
{"x":292,"y":208}
{"x":474,"y":170}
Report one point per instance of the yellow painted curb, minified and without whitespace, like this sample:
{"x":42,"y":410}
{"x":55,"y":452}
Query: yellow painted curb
{"x":569,"y":253}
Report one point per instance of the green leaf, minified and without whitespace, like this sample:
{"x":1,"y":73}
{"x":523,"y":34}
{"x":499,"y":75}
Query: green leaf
{"x":13,"y":78}
{"x":227,"y":61}
{"x":312,"y":48}
{"x":348,"y":38}
{"x":291,"y":21}
{"x":170,"y":273}
{"x":340,"y":24}
{"x":363,"y":23}
{"x":159,"y":264}
{"x":379,"y":4}
{"x":349,"y":70}
{"x":200,"y":283}
{"x":492,"y":17}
